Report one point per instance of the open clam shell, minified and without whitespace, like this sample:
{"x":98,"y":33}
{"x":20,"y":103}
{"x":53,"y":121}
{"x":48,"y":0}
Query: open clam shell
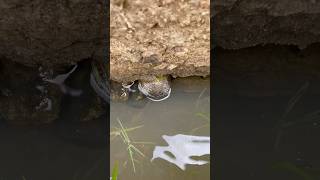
{"x":157,"y":89}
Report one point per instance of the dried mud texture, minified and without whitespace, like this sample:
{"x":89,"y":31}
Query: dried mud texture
{"x":155,"y":37}
{"x":245,"y":23}
{"x":50,"y":33}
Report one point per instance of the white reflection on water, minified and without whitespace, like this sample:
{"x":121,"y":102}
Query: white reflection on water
{"x":183,"y":147}
{"x":60,"y":79}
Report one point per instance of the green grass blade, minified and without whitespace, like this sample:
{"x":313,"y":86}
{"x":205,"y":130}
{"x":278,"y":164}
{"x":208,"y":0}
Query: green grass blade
{"x":115,"y":171}
{"x":293,"y":101}
{"x":137,"y":150}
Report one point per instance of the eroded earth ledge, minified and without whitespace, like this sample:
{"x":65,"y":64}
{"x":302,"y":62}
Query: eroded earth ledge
{"x":246,"y":23}
{"x":159,"y":37}
{"x":150,"y":37}
{"x":50,"y":33}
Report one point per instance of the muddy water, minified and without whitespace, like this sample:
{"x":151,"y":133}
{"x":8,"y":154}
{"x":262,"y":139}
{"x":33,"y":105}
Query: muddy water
{"x":253,"y":137}
{"x":39,"y":153}
{"x":184,"y":113}
{"x":66,"y":149}
{"x":73,"y":147}
{"x":250,"y":142}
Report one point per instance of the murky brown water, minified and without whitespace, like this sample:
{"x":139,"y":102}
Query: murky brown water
{"x":184,"y":113}
{"x":66,"y":148}
{"x":254,"y":139}
{"x":71,"y":148}
{"x":250,"y":143}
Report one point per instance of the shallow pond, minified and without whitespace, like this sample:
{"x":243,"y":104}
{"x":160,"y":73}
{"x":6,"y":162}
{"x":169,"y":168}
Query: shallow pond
{"x":153,"y":127}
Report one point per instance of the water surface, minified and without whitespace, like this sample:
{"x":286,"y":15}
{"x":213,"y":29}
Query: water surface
{"x":184,"y":112}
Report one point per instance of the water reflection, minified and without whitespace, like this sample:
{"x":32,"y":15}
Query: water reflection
{"x":181,"y":120}
{"x":59,"y":80}
{"x":182,"y":148}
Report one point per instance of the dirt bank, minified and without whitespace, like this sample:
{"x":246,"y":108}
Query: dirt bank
{"x":159,"y":37}
{"x":149,"y":37}
{"x":50,"y":33}
{"x":245,"y":23}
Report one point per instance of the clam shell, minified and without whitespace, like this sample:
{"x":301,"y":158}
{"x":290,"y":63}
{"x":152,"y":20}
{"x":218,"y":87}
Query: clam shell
{"x":156,"y":90}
